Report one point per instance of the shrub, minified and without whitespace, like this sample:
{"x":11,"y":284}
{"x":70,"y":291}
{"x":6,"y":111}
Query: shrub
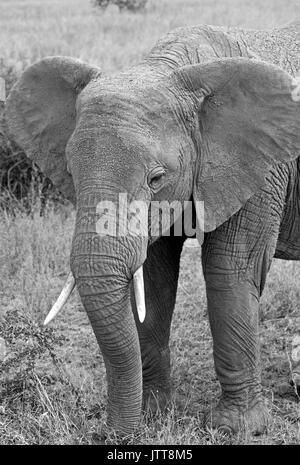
{"x":130,"y":5}
{"x":21,"y":182}
{"x":38,"y":401}
{"x":26,"y":343}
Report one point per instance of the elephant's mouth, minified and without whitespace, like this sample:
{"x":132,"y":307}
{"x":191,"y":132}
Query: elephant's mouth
{"x":139,"y":292}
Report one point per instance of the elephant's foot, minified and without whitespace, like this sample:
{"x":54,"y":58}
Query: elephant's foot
{"x":155,"y":400}
{"x":230,"y":419}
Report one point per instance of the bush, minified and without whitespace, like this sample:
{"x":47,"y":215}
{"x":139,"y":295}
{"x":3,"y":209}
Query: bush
{"x":26,"y":344}
{"x":21,"y":182}
{"x":38,"y":401}
{"x":130,"y":5}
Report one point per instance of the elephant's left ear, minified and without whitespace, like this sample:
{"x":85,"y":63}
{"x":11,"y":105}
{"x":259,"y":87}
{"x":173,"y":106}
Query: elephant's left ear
{"x":248,"y":119}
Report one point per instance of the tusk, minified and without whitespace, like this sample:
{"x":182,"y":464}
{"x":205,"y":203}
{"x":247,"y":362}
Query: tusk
{"x":62,"y":299}
{"x":139,"y":292}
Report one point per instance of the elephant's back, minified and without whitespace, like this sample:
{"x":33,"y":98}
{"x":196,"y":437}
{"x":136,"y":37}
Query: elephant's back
{"x":280,"y":46}
{"x":194,"y":44}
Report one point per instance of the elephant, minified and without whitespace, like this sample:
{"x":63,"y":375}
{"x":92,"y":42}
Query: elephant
{"x":209,"y":115}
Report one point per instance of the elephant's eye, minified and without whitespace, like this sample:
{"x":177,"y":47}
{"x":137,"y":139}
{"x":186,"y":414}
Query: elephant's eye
{"x":156,"y":178}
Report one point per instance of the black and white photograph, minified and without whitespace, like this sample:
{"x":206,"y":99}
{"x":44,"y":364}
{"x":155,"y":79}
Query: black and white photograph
{"x":149,"y":225}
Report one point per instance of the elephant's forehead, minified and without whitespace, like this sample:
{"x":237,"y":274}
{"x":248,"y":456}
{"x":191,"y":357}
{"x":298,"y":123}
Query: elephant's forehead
{"x":133,"y":92}
{"x":123,"y":114}
{"x":126,"y":105}
{"x":111,"y":135}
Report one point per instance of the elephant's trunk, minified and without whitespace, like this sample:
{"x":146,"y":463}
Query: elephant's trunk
{"x":103,"y":267}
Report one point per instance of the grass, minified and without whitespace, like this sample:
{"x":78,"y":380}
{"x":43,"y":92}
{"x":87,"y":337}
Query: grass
{"x":52,"y":386}
{"x":32,"y":29}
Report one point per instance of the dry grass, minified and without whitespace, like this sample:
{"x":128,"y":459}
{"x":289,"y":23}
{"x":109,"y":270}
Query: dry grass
{"x":63,"y":399}
{"x":31,"y":29}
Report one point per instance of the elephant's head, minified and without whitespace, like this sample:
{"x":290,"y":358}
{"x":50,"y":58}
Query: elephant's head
{"x":208,"y":132}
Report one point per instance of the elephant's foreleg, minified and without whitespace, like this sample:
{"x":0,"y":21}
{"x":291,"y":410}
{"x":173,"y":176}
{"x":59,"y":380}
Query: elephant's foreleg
{"x":236,"y":258}
{"x":233,"y":315}
{"x":161,"y":271}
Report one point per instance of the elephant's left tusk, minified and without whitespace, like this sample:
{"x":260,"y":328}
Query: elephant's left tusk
{"x":139,"y":292}
{"x":62,"y":299}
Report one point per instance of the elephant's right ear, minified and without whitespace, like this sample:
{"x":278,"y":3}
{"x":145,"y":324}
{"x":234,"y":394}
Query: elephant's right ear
{"x":41,"y":114}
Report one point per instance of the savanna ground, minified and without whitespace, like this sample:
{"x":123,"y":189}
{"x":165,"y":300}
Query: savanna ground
{"x":52,"y":385}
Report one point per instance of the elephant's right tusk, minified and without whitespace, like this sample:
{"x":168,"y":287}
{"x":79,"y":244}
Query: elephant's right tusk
{"x":139,"y":292}
{"x":62,"y":299}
